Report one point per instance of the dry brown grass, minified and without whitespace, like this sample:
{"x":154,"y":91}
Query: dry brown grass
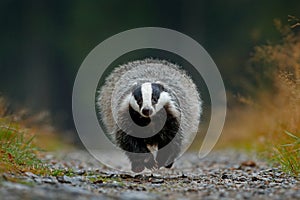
{"x":261,"y":121}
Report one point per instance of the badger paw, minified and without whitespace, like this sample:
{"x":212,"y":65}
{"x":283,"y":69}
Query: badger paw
{"x":169,"y":165}
{"x":150,"y":163}
{"x":165,"y":160}
{"x":137,"y":167}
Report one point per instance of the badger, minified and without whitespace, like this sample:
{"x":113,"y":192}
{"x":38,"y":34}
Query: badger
{"x":151,"y":110}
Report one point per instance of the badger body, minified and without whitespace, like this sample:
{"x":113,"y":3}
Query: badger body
{"x":149,"y":103}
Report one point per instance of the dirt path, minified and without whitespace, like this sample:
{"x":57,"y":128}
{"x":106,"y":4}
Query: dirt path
{"x":221,"y":175}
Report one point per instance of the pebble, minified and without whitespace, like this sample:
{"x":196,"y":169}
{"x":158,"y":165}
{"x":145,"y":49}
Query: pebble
{"x":31,"y":175}
{"x":221,"y":175}
{"x":157,"y":181}
{"x":49,"y":180}
{"x":64,"y":179}
{"x":80,"y":172}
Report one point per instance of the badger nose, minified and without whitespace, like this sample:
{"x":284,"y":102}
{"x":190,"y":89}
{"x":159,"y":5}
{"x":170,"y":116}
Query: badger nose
{"x":147,"y":111}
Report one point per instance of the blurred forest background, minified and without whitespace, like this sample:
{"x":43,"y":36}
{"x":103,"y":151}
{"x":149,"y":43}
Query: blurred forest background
{"x":43,"y":43}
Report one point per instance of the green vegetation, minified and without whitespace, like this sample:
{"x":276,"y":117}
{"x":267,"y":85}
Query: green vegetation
{"x":288,"y":155}
{"x":18,"y":153}
{"x":20,"y":147}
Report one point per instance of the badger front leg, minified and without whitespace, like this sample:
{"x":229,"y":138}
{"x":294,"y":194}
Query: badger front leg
{"x":168,"y":152}
{"x":140,"y":161}
{"x":137,"y":152}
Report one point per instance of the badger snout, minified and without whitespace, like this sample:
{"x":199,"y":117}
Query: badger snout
{"x":147,"y":111}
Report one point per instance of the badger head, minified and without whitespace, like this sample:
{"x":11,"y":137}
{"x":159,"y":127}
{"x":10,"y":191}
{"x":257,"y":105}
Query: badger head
{"x":149,"y":98}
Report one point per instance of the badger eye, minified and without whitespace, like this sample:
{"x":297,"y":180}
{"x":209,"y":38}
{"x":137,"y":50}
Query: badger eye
{"x":139,"y":101}
{"x":154,"y":100}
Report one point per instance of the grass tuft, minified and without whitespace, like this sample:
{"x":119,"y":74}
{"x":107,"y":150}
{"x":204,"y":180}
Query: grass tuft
{"x":17,"y":152}
{"x":288,"y":155}
{"x":24,"y":136}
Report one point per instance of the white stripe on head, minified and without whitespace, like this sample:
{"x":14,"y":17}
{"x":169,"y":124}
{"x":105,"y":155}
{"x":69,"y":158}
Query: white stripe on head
{"x":133,"y":103}
{"x":147,"y":94}
{"x":166,"y":99}
{"x":163,"y":100}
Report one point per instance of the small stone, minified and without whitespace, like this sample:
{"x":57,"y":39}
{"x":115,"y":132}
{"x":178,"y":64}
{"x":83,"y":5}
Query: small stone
{"x":126,"y":176}
{"x":261,"y":186}
{"x":80,"y":172}
{"x":192,"y":190}
{"x":98,"y":181}
{"x":278,"y":180}
{"x":31,"y":175}
{"x":157,"y":181}
{"x":139,"y":176}
{"x":155,"y":175}
{"x":225,"y":176}
{"x":38,"y":180}
{"x":186,"y":180}
{"x":248,"y":163}
{"x":64,"y":179}
{"x":254,"y":178}
{"x":272,"y":184}
{"x":49,"y":180}
{"x":242,"y":179}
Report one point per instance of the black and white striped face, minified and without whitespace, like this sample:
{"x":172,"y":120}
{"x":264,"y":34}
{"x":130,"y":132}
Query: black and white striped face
{"x":149,"y":98}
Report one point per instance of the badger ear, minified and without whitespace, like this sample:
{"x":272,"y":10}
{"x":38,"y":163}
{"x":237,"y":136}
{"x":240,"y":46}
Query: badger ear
{"x":161,"y":85}
{"x":134,"y":86}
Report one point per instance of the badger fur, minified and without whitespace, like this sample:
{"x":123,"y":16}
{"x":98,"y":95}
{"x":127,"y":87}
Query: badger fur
{"x":149,"y":103}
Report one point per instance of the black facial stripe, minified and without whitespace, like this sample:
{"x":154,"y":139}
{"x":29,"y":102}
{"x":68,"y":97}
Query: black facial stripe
{"x":156,"y":90}
{"x":137,"y":93}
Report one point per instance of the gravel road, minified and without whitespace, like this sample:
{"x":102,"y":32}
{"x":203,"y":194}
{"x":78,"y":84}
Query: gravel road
{"x":221,"y":175}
